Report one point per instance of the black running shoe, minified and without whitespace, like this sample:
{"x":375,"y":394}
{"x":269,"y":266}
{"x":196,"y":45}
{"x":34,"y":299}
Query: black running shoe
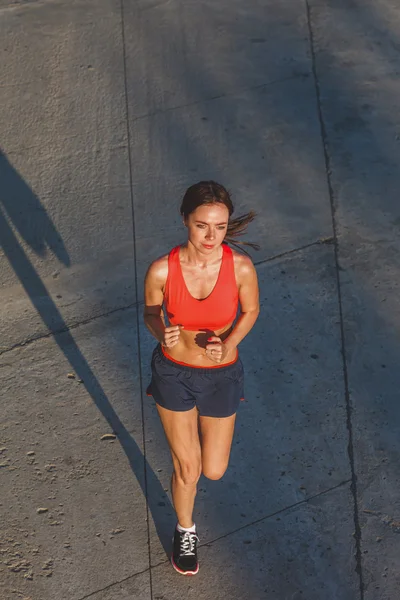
{"x":184,"y":553}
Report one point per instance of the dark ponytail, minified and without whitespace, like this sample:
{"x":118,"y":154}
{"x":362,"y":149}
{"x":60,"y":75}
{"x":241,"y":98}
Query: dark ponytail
{"x":211,"y":192}
{"x":237,"y":227}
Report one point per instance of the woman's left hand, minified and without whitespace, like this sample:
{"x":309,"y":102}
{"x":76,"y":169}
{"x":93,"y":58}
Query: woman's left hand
{"x":216,"y":349}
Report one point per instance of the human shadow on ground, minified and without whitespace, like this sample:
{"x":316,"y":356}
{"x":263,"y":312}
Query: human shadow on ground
{"x":22,"y":211}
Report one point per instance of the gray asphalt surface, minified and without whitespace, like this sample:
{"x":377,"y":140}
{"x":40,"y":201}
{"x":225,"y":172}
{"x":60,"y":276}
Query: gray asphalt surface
{"x":109,"y":110}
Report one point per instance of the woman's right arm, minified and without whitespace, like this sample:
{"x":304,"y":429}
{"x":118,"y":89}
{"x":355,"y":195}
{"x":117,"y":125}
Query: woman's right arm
{"x":153,"y":300}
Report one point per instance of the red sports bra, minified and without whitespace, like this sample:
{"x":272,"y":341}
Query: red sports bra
{"x":214,"y":312}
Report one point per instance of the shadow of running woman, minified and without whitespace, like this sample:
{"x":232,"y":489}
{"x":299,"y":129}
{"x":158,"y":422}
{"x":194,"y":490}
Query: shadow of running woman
{"x":22,"y":209}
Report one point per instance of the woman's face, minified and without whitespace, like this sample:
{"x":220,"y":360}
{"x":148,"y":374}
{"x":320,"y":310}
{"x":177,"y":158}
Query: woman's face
{"x":207,"y":226}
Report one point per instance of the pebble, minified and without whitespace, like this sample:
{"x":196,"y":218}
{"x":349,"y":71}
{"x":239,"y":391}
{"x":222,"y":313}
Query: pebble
{"x":71,"y":375}
{"x":108,"y":436}
{"x":42,"y":510}
{"x":48,"y":563}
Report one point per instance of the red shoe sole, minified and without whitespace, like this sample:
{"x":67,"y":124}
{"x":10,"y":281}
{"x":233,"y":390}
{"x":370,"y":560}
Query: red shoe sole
{"x":178,"y":570}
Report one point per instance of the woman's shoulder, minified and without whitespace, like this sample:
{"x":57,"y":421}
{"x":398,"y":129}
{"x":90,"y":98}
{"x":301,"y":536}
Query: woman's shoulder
{"x":243,"y":265}
{"x":158,"y":269}
{"x":242,"y":261}
{"x":157,"y":272}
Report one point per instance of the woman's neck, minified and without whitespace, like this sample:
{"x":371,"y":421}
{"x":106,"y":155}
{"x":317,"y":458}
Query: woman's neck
{"x":196,"y":258}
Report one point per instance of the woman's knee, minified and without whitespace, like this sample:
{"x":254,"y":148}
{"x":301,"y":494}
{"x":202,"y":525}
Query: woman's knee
{"x":188,"y":472}
{"x":214,"y":472}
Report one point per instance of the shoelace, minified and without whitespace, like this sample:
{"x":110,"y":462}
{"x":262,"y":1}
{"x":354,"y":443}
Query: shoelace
{"x":188,"y":543}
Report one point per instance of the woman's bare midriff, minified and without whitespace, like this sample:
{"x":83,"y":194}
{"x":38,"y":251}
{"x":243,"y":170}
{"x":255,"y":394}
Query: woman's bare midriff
{"x":191,"y":347}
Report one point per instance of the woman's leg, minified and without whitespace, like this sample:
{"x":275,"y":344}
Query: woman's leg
{"x":181,"y":430}
{"x":216,"y":442}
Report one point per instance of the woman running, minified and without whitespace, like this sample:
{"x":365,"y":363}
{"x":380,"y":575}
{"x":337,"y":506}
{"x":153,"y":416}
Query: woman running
{"x":197,"y":375}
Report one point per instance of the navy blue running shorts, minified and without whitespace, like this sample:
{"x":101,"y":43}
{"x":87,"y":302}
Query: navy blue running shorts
{"x":215,"y":391}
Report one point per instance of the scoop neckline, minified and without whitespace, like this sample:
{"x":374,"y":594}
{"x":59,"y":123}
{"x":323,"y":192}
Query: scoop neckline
{"x":216,"y":283}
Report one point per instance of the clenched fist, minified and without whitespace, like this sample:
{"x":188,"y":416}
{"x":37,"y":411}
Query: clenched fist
{"x":171,"y":336}
{"x":216,"y":351}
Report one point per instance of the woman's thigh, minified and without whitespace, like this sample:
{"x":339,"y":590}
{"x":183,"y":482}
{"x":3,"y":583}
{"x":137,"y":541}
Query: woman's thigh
{"x":216,"y":442}
{"x":181,"y":430}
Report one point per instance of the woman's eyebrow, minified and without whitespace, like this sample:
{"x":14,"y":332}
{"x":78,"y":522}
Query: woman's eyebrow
{"x":204,"y":223}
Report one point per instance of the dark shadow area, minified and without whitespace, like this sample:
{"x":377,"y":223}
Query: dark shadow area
{"x":202,"y":337}
{"x":29,"y":217}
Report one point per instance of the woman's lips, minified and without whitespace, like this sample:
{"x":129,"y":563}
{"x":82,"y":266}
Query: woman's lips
{"x":208,"y":246}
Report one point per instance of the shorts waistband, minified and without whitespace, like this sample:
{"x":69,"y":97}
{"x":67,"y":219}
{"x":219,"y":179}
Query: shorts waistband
{"x":189,"y":367}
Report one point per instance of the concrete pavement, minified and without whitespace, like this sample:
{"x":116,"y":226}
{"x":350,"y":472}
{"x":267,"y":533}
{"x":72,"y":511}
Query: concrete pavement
{"x":110,"y":109}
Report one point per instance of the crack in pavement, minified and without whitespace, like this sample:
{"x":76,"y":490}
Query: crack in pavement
{"x":328,"y":170}
{"x":280,"y":511}
{"x":326,"y":240}
{"x":68,"y":328}
{"x":135,"y":254}
{"x":110,"y":585}
{"x":218,"y":96}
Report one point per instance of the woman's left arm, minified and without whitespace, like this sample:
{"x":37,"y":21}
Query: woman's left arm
{"x":249,"y":303}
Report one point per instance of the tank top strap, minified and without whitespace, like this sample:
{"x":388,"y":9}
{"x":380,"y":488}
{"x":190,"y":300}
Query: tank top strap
{"x":227,"y":267}
{"x":173,"y":257}
{"x":173,"y":268}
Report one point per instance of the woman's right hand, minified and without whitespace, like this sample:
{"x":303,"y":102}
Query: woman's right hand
{"x":171,"y":336}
